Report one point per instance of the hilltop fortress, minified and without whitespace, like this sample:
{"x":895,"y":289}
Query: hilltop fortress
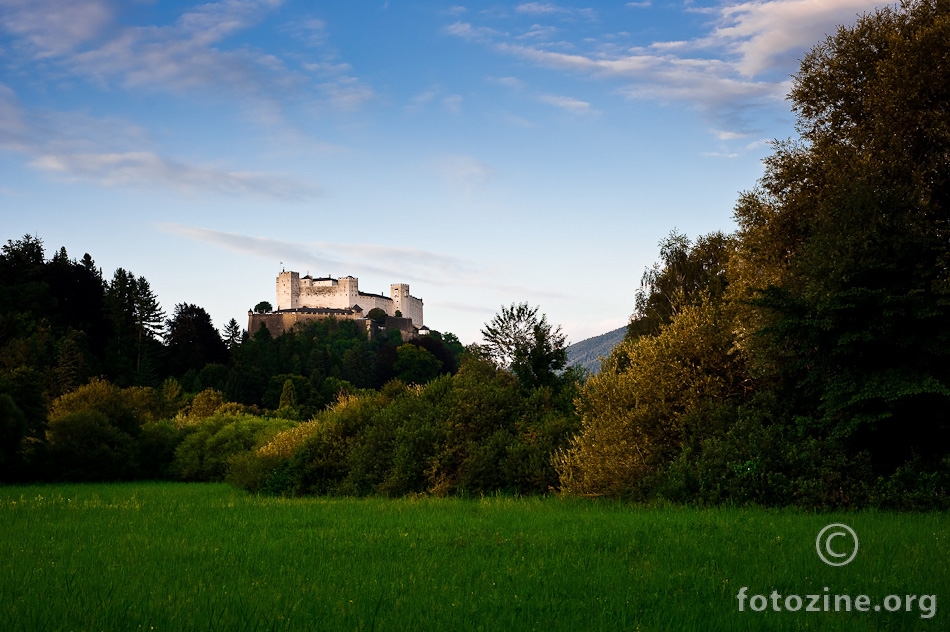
{"x":294,"y":291}
{"x":302,"y":299}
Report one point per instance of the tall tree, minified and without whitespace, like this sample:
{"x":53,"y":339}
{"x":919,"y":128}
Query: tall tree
{"x":686,"y":274}
{"x":518,"y":340}
{"x":232,"y":334}
{"x":148,"y":315}
{"x":192,"y":341}
{"x":846,"y":242}
{"x":137,"y":320}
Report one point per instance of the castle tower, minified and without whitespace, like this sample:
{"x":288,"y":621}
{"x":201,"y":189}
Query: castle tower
{"x":350,"y":288}
{"x":400,"y":294}
{"x":288,"y":290}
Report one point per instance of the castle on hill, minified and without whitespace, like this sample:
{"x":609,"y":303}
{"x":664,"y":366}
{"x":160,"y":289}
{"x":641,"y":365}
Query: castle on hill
{"x":302,"y":299}
{"x":295,"y":291}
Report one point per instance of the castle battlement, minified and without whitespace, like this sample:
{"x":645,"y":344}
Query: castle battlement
{"x":295,"y":292}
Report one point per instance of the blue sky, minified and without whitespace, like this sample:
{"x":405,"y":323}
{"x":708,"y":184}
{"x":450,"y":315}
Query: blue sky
{"x":484,"y":153}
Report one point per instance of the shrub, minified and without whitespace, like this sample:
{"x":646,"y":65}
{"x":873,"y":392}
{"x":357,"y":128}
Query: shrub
{"x":84,"y":446}
{"x":155,"y":447}
{"x":124,"y":408}
{"x":12,"y":432}
{"x":204,"y":453}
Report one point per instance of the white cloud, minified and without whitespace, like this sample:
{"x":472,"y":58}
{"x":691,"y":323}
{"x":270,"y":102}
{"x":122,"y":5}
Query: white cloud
{"x":334,"y":258}
{"x":639,"y":5}
{"x":325,"y":69}
{"x":185,"y":57}
{"x":453,"y":103}
{"x":510,"y":82}
{"x":465,"y":172}
{"x":539,"y":32}
{"x":708,"y":83}
{"x":572,"y":105}
{"x":108,"y":152}
{"x":142,"y":168}
{"x":768,"y":34}
{"x":414,"y":264}
{"x":539,"y":8}
{"x":548,"y":9}
{"x":466,"y":31}
{"x":347,"y":92}
{"x":54,"y":27}
{"x":518,"y":121}
{"x":14,"y":130}
{"x":741,"y":63}
{"x":725,"y":135}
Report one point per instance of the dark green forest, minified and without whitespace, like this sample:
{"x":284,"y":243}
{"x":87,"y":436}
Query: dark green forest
{"x":97,"y":384}
{"x":800,"y":360}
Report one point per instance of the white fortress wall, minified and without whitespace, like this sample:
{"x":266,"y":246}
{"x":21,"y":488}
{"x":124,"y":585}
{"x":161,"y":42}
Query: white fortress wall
{"x":409,"y":306}
{"x":296,"y":292}
{"x":369,"y":301}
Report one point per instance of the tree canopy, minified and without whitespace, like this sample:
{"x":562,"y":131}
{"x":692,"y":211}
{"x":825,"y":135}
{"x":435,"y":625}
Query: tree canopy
{"x":517,"y":339}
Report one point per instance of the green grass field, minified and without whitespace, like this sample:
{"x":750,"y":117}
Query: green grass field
{"x":175,"y":557}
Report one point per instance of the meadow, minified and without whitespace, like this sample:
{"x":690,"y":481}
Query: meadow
{"x":173,"y":556}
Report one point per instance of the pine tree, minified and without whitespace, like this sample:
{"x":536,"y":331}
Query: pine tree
{"x":232,"y":334}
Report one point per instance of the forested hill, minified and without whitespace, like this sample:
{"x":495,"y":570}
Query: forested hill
{"x":588,"y":353}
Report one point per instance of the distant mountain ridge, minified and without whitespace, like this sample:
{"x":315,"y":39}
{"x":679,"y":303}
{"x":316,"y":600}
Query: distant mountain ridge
{"x":587,"y":353}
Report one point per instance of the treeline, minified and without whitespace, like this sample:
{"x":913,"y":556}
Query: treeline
{"x":803,"y":359}
{"x":96,"y":384}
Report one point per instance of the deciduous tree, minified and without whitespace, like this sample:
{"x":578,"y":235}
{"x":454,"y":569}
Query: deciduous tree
{"x":845,"y":244}
{"x":518,"y":340}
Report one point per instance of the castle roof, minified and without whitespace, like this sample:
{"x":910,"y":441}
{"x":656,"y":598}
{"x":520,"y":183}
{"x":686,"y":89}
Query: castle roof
{"x":377,"y":295}
{"x":319,"y":310}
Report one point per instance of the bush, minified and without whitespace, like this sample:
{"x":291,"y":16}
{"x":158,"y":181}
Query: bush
{"x":155,"y":447}
{"x":84,"y":446}
{"x":204,"y":453}
{"x":636,"y":408}
{"x":125,"y":408}
{"x":474,"y":432}
{"x":12,"y":432}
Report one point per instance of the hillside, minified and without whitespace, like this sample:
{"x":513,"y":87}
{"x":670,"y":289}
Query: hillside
{"x":587,"y":353}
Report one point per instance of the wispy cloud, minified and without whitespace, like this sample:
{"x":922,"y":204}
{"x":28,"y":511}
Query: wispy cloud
{"x":742,"y":62}
{"x":465,"y":173}
{"x":181,"y":57}
{"x":550,"y":9}
{"x":453,"y":103}
{"x":337,"y":258}
{"x":466,"y":31}
{"x":340,"y":258}
{"x":566,"y":103}
{"x":570,"y":104}
{"x":51,"y":27}
{"x":191,"y":55}
{"x":149,"y":169}
{"x":509,"y":82}
{"x":539,"y":8}
{"x":766,"y":35}
{"x":347,"y":92}
{"x":109,"y":152}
